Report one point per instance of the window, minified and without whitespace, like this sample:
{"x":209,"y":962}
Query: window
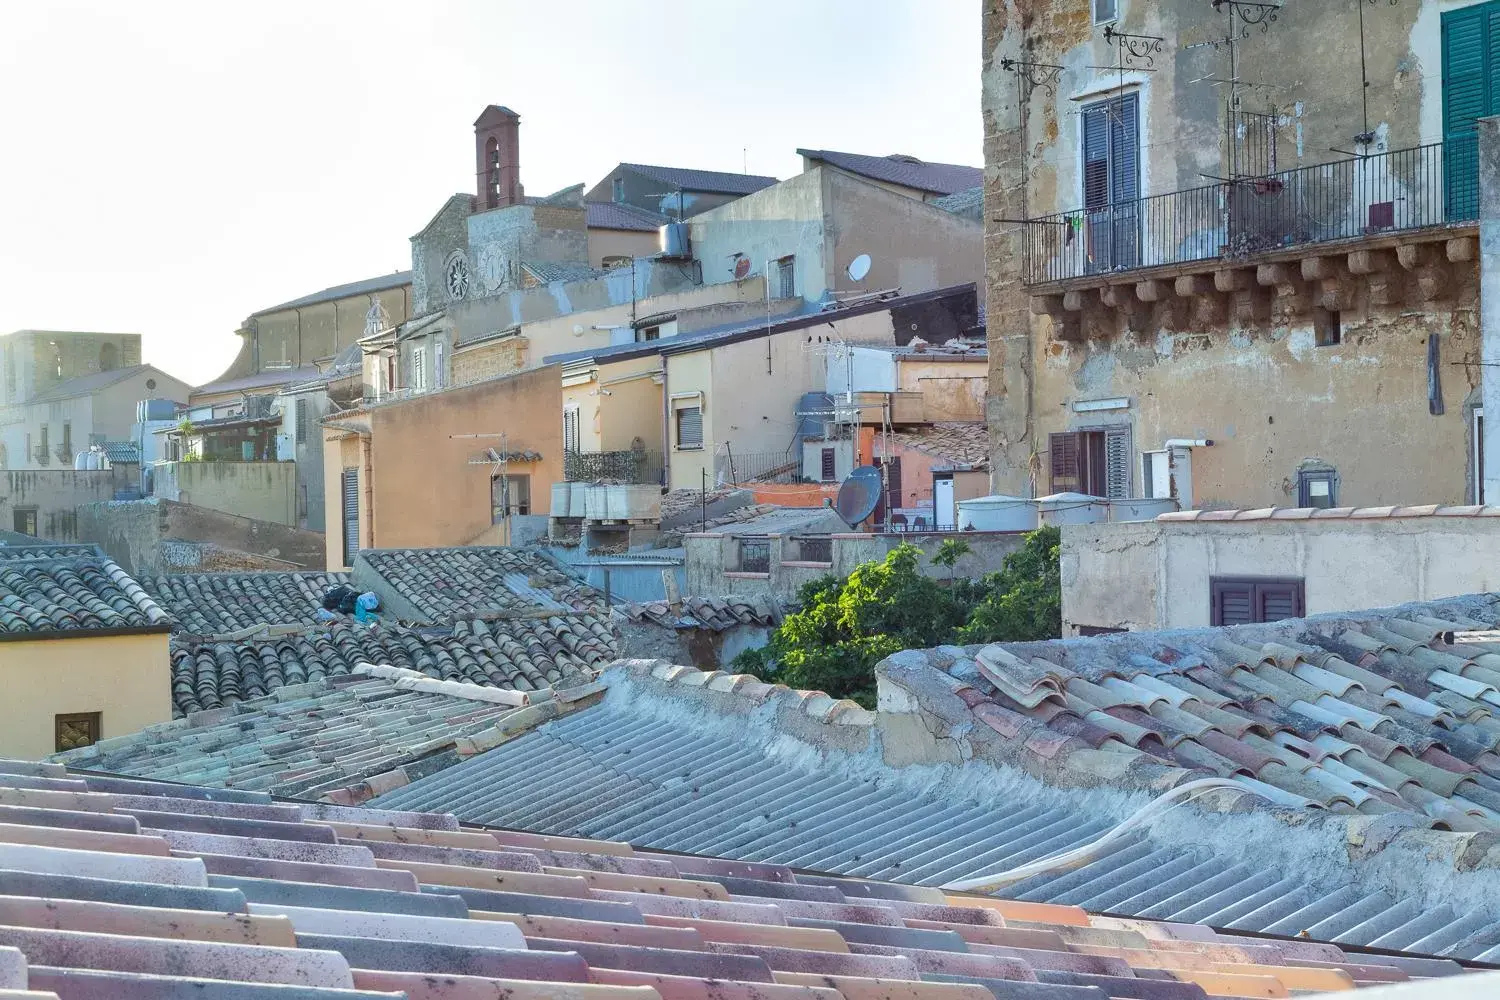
{"x":78,"y":729}
{"x":1317,"y":488}
{"x":418,"y":367}
{"x":1327,"y":327}
{"x":23,"y":519}
{"x":613,"y":260}
{"x":67,"y":441}
{"x":1096,"y":462}
{"x":786,"y":278}
{"x":817,"y":548}
{"x":439,"y":376}
{"x":572,"y":431}
{"x":1111,"y":182}
{"x":350,"y":486}
{"x":755,"y":555}
{"x":509,"y":496}
{"x":1244,"y":600}
{"x":1106,"y":11}
{"x":109,"y":358}
{"x":617,"y":189}
{"x":689,"y":427}
{"x":829,"y":472}
{"x":300,"y":416}
{"x":646,"y":333}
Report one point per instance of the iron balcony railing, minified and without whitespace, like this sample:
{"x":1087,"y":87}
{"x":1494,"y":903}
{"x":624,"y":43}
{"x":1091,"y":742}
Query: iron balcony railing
{"x":755,"y":555}
{"x":636,"y":467}
{"x":1403,"y":189}
{"x":757,"y":467}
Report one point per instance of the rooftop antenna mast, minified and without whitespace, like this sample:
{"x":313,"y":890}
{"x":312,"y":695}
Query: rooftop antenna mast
{"x":499,"y":463}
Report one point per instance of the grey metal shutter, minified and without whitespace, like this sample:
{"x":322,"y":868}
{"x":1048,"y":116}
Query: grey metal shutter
{"x":301,"y":418}
{"x":690,"y":427}
{"x":1117,"y":463}
{"x":1278,"y":599}
{"x":351,"y":515}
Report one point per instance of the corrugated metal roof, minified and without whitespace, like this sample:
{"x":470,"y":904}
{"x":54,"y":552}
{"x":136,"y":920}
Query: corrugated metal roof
{"x":142,"y":890}
{"x":733,"y":768}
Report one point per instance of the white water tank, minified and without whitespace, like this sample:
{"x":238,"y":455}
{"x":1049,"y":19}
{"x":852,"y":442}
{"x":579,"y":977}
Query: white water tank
{"x":1141,"y":508}
{"x":1072,"y":508}
{"x":91,"y":461}
{"x":997,"y":513}
{"x":80,"y":461}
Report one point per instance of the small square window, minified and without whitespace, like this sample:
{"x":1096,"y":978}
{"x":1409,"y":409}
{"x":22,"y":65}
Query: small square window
{"x":1317,"y":488}
{"x":1328,"y":328}
{"x":78,"y":729}
{"x":1106,"y":11}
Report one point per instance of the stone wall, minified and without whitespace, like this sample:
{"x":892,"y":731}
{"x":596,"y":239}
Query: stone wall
{"x":154,"y":536}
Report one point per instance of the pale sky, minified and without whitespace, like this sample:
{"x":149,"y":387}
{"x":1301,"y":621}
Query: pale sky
{"x":169,"y":168}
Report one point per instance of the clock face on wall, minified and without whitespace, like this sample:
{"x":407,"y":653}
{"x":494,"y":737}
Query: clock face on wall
{"x":494,"y":269}
{"x":456,"y":276}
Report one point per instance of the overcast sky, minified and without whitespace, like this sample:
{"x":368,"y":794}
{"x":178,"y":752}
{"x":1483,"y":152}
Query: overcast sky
{"x":169,"y":168}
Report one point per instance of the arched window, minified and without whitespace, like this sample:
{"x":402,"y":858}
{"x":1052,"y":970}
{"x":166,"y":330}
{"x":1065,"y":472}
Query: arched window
{"x":109,"y":358}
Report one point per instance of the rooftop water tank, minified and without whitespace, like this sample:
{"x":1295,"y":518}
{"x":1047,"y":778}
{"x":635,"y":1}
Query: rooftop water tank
{"x":1072,"y":508}
{"x":1141,"y":508}
{"x":997,"y":513}
{"x":154,"y":409}
{"x":674,"y":239}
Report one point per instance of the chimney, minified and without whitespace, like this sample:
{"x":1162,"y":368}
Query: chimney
{"x":497,"y":157}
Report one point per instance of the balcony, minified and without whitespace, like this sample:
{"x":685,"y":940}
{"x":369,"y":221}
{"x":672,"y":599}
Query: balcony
{"x":633,"y":467}
{"x":1286,"y":240}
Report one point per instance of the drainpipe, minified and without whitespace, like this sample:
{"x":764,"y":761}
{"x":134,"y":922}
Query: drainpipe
{"x":1489,"y":304}
{"x":666,"y":425}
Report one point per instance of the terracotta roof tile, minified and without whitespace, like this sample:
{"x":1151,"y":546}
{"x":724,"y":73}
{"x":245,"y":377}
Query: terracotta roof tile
{"x":52,"y":589}
{"x":444,"y":584}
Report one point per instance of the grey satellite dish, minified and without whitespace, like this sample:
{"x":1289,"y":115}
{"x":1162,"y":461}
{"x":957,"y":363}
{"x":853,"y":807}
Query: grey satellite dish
{"x":858,"y":495}
{"x":859,"y":267}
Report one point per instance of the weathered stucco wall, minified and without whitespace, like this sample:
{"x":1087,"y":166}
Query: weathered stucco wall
{"x":1273,"y":402}
{"x":1270,"y":399}
{"x":264,"y":491}
{"x":912,"y":245}
{"x":54,"y":496}
{"x":1156,"y":574}
{"x":150,"y":537}
{"x":711,"y":559}
{"x":784,"y":219}
{"x":343,"y":450}
{"x":425,"y":492}
{"x":125,"y":678}
{"x":605,"y":243}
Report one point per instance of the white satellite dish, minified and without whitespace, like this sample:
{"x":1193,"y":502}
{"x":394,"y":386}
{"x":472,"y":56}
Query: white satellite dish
{"x":859,"y":267}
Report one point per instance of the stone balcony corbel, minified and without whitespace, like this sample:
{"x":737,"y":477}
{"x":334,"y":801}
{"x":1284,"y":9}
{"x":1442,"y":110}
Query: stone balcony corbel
{"x":1285,"y":281}
{"x":1427,"y":263}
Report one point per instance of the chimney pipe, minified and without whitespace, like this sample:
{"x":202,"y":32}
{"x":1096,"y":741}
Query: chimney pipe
{"x":497,"y":157}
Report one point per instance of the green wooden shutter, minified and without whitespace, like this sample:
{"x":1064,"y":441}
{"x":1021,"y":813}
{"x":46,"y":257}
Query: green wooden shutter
{"x":1471,"y":41}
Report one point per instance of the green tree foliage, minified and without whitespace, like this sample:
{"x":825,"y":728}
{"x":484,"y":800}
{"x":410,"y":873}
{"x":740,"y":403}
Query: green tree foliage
{"x":842,"y":628}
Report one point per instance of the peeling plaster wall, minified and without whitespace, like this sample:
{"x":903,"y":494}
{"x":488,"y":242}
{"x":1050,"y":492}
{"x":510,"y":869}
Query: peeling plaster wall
{"x":1271,"y":402}
{"x":1155,"y":575}
{"x":1269,"y":399}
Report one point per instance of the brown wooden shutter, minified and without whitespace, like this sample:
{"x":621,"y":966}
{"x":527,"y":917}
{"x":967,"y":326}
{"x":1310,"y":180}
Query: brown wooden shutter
{"x":1065,"y":452}
{"x":1278,"y":599}
{"x":1248,"y":600}
{"x":1232,"y":602}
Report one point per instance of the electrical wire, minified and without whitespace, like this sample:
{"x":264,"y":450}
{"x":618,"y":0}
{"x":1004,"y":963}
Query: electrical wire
{"x":1076,"y":856}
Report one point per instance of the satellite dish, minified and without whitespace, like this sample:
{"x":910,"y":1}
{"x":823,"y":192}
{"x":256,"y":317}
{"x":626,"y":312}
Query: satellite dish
{"x":741,"y":268}
{"x":858,"y":495}
{"x":859,"y":267}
